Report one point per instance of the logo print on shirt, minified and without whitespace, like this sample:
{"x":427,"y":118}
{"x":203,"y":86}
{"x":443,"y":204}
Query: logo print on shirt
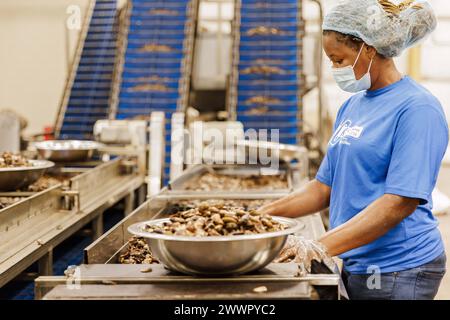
{"x":344,"y":131}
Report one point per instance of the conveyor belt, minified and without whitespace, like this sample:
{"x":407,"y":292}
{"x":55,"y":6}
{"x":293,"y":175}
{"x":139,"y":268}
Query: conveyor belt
{"x":155,"y":69}
{"x":88,"y":90}
{"x":267,"y":35}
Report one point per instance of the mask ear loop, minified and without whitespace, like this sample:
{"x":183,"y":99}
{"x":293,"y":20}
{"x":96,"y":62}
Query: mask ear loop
{"x":359,"y":54}
{"x":357,"y":58}
{"x":370,"y":65}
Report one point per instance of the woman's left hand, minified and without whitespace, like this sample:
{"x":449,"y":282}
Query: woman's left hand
{"x":304,"y":251}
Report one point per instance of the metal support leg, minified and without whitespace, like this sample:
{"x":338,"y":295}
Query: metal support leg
{"x":141,"y":194}
{"x":45,"y":264}
{"x":129,"y":203}
{"x":97,"y":226}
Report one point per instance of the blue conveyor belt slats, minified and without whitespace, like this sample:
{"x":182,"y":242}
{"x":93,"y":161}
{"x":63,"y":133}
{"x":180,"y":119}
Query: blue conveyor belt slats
{"x":156,"y":61}
{"x":267,"y":49}
{"x":90,"y":91}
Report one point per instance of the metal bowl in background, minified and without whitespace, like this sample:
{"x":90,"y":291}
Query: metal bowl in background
{"x":218,"y":255}
{"x":67,"y":150}
{"x":12,"y":179}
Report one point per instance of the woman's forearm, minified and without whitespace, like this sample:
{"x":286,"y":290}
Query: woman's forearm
{"x":313,"y":197}
{"x":370,"y":224}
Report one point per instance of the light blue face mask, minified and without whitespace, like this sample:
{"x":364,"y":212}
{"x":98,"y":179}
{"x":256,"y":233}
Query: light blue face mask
{"x":346,"y":79}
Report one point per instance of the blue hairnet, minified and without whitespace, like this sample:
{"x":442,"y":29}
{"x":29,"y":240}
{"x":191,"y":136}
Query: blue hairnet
{"x":388,"y":27}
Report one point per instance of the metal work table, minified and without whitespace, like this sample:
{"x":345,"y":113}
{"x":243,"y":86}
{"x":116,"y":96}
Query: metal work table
{"x":102,"y":277}
{"x":138,"y":282}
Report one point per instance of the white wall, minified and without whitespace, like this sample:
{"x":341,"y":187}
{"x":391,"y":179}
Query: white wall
{"x":33,"y":57}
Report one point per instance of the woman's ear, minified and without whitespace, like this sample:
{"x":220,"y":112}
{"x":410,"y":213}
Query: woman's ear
{"x":371,"y":52}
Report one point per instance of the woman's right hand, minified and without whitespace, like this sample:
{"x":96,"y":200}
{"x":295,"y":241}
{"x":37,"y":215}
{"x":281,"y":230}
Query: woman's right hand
{"x":304,"y":251}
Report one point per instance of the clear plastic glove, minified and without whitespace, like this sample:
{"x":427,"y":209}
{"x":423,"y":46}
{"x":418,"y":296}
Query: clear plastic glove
{"x":304,"y":251}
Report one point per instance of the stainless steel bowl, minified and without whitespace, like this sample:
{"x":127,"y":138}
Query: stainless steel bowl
{"x":218,"y":255}
{"x":67,"y":150}
{"x":12,"y":179}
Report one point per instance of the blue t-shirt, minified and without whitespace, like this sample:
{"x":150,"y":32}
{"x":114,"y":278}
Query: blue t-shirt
{"x":391,"y":140}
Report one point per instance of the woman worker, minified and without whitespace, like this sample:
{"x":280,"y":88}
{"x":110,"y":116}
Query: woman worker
{"x":382,"y":160}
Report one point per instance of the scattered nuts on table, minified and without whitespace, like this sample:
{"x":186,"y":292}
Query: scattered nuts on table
{"x":138,"y":252}
{"x":216,"y":181}
{"x":146,"y":270}
{"x":12,"y":160}
{"x":260,"y":289}
{"x":216,"y":220}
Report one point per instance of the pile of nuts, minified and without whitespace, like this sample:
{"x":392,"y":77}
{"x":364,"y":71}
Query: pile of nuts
{"x":163,"y":12}
{"x":138,"y":252}
{"x":152,"y":47}
{"x":216,"y":220}
{"x":149,"y":87}
{"x":216,"y":181}
{"x":244,"y":204}
{"x":152,"y":78}
{"x":262,"y":30}
{"x":262,"y":100}
{"x":262,"y":110}
{"x":12,"y":160}
{"x":266,"y":70}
